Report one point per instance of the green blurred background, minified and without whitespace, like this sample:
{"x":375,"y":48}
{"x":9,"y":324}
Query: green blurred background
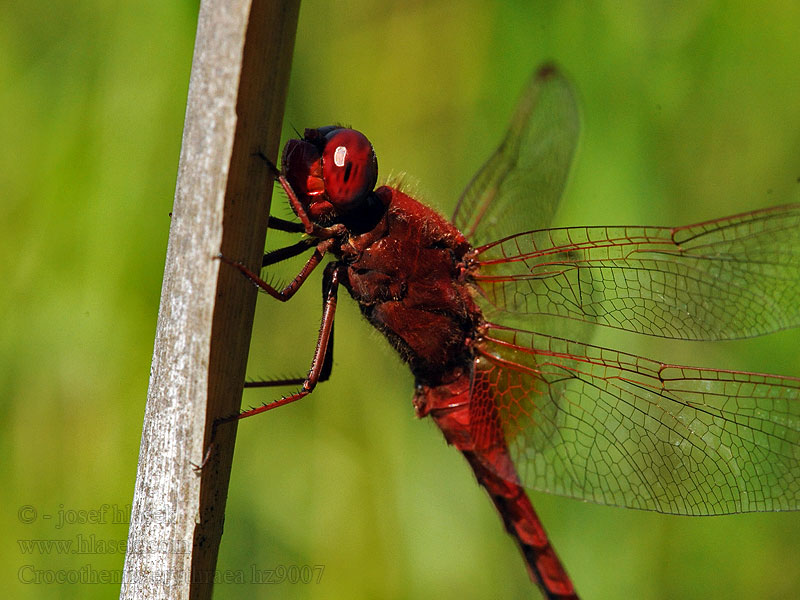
{"x":688,"y":114}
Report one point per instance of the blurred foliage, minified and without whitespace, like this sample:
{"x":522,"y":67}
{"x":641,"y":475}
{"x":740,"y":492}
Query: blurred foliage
{"x":688,"y":114}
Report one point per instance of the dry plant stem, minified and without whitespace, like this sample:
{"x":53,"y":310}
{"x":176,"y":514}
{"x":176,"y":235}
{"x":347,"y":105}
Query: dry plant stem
{"x":237,"y":92}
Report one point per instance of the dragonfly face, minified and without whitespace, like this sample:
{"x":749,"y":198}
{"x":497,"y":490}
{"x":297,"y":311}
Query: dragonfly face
{"x":332,"y":170}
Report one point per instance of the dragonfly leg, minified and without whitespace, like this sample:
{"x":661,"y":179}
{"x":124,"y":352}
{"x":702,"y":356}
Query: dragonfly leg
{"x":321,"y":363}
{"x":327,"y":364}
{"x":284,"y":225}
{"x":289,"y":291}
{"x":281,"y":254}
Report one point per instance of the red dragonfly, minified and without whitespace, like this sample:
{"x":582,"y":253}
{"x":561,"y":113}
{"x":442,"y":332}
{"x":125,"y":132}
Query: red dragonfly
{"x":459,"y":301}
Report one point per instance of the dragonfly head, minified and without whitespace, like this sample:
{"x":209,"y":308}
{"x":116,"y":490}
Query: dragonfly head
{"x":332,"y":170}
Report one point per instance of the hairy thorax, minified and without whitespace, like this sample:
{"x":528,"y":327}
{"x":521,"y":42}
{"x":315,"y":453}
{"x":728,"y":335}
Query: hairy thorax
{"x":407,"y":274}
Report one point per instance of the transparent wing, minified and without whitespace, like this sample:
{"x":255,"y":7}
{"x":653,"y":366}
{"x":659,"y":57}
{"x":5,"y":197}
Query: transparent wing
{"x":618,"y":429}
{"x":521,"y":184}
{"x":728,"y":278}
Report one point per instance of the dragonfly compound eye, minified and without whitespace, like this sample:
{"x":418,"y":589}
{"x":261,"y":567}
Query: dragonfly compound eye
{"x":349,"y":167}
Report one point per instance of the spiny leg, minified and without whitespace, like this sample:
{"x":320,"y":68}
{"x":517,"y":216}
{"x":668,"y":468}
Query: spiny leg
{"x":322,"y":362}
{"x":287,"y":292}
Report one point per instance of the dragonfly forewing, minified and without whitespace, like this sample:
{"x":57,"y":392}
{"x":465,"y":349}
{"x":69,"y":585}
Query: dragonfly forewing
{"x":729,"y":278}
{"x":521,"y":184}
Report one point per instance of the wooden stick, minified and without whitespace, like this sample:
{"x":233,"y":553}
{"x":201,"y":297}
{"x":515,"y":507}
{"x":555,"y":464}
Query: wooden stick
{"x":237,"y":92}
